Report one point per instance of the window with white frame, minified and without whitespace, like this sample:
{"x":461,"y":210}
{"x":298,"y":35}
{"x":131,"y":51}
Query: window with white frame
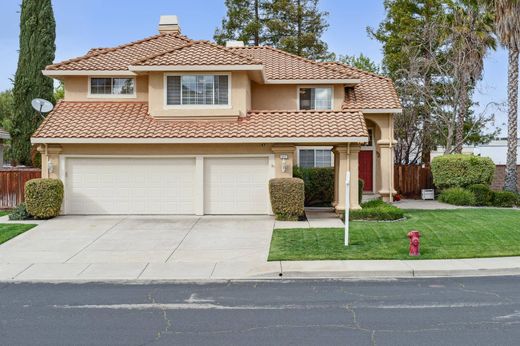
{"x":197,"y":90}
{"x":315,"y":98}
{"x":112,"y":86}
{"x":315,"y":158}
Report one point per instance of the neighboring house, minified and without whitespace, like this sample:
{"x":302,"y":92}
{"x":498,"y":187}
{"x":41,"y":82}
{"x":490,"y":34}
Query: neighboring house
{"x":496,"y":150}
{"x":169,"y":125}
{"x":4,"y":135}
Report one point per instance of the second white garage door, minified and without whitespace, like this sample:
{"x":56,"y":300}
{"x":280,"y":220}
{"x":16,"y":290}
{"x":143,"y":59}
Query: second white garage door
{"x":130,"y":186}
{"x":236,"y":185}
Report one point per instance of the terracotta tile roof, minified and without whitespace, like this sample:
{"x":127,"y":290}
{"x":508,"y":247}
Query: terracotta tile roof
{"x":198,"y":53}
{"x":4,"y":135}
{"x":282,"y":65}
{"x":374,"y":91}
{"x":119,"y":58}
{"x":131,"y":120}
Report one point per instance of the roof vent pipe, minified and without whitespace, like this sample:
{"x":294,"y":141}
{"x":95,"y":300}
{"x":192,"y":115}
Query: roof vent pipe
{"x":235,"y":44}
{"x":169,"y":24}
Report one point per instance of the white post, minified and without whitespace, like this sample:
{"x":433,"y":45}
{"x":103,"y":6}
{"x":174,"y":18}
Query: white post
{"x":347,"y":207}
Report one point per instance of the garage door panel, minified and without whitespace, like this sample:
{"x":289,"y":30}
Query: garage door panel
{"x":236,"y":185}
{"x":130,"y":186}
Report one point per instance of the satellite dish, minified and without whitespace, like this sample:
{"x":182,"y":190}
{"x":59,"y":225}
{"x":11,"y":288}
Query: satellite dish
{"x":42,"y":106}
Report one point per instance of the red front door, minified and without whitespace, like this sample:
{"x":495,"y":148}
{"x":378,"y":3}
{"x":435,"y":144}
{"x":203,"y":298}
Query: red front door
{"x":366,"y":169}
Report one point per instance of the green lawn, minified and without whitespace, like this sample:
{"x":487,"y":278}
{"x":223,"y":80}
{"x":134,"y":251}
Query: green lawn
{"x":461,"y":233}
{"x":9,"y":231}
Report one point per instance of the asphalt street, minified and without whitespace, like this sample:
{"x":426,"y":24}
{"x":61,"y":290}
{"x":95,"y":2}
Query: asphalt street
{"x":451,"y":311}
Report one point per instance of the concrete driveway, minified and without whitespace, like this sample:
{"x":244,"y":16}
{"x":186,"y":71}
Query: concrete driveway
{"x":140,"y":247}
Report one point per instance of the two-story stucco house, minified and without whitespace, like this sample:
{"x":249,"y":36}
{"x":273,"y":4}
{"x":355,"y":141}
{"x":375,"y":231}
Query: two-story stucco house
{"x":170,"y":125}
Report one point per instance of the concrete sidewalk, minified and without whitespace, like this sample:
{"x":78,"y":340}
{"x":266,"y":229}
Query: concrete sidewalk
{"x":252,"y":270}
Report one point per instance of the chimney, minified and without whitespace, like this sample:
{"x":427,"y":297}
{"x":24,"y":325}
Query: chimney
{"x":235,"y":44}
{"x":169,"y":24}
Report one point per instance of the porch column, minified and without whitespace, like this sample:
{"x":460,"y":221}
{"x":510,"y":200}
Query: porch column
{"x":336,"y":178}
{"x":50,"y":160}
{"x":387,"y":169}
{"x":347,"y":161}
{"x":283,"y":160}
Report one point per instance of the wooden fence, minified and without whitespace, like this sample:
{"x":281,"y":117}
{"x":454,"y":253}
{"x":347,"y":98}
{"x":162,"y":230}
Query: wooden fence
{"x":409,"y":180}
{"x":12,"y":184}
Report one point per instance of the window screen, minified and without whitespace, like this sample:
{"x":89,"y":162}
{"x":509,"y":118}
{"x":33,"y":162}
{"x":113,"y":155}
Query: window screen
{"x":112,"y":86}
{"x":197,"y":90}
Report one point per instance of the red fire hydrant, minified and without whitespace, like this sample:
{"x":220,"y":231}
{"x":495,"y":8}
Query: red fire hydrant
{"x":414,"y":242}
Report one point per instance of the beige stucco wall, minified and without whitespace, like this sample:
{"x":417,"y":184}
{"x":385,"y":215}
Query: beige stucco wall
{"x":76,"y":89}
{"x":239,"y":98}
{"x":273,"y":96}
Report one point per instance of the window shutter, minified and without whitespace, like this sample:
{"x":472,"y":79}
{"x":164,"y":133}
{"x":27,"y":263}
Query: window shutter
{"x":173,"y":90}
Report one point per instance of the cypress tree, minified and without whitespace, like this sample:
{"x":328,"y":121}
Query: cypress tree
{"x":243,"y":22}
{"x":37,"y":48}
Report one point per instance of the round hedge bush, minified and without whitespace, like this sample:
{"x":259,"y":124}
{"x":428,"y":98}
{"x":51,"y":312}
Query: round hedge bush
{"x":43,"y":197}
{"x":459,"y":170}
{"x":287,"y":198}
{"x":505,"y":199}
{"x":457,"y":196}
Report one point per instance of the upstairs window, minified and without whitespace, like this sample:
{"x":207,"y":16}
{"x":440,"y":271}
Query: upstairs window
{"x":193,"y":90}
{"x":315,"y":98}
{"x":112,"y":87}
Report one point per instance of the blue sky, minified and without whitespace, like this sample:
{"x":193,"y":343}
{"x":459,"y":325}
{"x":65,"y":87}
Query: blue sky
{"x":85,"y":24}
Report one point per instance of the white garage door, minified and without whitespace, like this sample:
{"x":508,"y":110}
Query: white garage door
{"x":236,"y":186}
{"x":130,"y":186}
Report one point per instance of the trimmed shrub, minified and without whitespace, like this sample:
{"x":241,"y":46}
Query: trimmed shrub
{"x":377,"y":210}
{"x":457,"y":196}
{"x":319,"y":185}
{"x":504,"y":199}
{"x":460,"y":170}
{"x":43,"y":197}
{"x":287,"y":198}
{"x":361,"y":186}
{"x":483,"y":194}
{"x":20,"y":213}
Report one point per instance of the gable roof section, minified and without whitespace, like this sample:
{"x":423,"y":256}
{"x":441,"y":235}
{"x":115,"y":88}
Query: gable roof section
{"x":196,"y":53}
{"x":120,"y":57}
{"x":127,"y":122}
{"x":372,"y":93}
{"x":280,"y":65}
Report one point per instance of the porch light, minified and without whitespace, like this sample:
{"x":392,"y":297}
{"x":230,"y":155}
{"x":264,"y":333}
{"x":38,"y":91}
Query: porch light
{"x":284,"y":158}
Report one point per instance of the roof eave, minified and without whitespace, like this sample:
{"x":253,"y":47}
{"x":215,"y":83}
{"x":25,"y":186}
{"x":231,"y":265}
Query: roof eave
{"x":314,"y":81}
{"x":174,"y":68}
{"x":382,"y":110}
{"x":61,"y":73}
{"x":43,"y":140}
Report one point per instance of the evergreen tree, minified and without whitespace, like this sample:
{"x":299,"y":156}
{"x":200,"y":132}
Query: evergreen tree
{"x":361,"y":62}
{"x":37,"y":48}
{"x":296,"y":26}
{"x":412,"y":46}
{"x":243,"y":22}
